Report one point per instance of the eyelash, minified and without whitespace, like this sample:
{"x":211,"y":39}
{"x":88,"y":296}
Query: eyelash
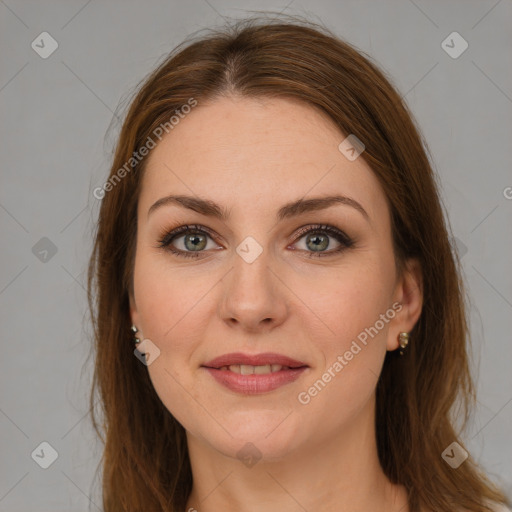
{"x":164,"y":242}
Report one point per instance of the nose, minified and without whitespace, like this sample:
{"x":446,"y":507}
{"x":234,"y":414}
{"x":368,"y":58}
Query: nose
{"x":254,"y":298}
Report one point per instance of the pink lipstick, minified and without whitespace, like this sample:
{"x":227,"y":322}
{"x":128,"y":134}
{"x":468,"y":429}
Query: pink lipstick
{"x":254,"y":374}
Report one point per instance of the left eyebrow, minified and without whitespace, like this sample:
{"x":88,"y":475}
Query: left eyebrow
{"x":318,"y":203}
{"x":295,"y":208}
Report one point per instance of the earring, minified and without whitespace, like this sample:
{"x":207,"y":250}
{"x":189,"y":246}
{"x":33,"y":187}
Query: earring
{"x":135,"y":331}
{"x":403,"y":339}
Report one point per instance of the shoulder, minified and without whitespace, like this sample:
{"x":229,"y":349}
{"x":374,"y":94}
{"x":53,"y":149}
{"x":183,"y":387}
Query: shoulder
{"x":501,"y":508}
{"x":496,"y":507}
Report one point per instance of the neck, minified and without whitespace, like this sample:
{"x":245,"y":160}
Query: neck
{"x":341,"y":473}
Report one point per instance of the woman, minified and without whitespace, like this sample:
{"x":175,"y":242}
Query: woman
{"x":272,"y":249}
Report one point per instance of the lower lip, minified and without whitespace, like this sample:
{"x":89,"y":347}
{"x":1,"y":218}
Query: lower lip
{"x":256,"y":383}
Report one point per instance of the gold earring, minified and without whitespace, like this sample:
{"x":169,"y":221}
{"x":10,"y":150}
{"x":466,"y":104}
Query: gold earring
{"x":135,"y":339}
{"x":403,"y":339}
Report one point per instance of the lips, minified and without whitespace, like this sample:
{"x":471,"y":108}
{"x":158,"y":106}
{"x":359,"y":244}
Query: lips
{"x":238,"y":358}
{"x":254,"y":374}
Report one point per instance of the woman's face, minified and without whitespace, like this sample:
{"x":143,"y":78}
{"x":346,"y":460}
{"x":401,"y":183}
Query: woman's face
{"x":310,"y":315}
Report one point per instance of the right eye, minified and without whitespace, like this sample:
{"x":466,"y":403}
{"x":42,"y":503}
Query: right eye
{"x":194,"y":240}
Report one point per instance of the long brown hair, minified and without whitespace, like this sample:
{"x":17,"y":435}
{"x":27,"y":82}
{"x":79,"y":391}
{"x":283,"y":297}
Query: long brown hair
{"x":145,"y":461}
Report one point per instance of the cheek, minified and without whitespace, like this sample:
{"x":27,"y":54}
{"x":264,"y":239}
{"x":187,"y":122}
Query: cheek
{"x":171,"y":308}
{"x":355,"y":310}
{"x":342,"y":302}
{"x":166,"y":296}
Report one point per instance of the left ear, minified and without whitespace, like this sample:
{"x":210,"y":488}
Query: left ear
{"x":409,"y":293}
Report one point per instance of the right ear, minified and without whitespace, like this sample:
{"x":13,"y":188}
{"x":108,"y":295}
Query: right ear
{"x":134,"y":314}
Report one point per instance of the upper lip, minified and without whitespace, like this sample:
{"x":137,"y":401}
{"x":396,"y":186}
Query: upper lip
{"x":253,"y":360}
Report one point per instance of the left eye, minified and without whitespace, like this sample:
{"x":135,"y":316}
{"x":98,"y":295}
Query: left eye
{"x":316,"y":239}
{"x":194,"y":240}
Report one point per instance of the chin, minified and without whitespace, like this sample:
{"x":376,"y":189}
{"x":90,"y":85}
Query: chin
{"x":261,"y":435}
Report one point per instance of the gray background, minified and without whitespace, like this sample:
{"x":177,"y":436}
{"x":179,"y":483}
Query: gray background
{"x":55,"y":114}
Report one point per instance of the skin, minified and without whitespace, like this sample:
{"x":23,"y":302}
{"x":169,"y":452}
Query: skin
{"x":251,"y":157}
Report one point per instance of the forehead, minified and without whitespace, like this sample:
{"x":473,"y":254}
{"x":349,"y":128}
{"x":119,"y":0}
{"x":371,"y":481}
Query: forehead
{"x":242,"y":152}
